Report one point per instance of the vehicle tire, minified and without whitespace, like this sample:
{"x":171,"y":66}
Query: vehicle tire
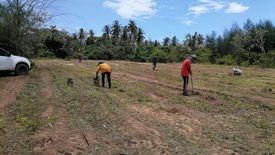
{"x":22,"y":69}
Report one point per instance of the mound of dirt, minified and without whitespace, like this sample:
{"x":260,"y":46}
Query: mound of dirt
{"x":173,"y":110}
{"x":196,"y":93}
{"x":266,"y":90}
{"x":210,"y":98}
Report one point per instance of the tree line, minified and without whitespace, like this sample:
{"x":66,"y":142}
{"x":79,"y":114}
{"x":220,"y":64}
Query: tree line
{"x":22,"y":32}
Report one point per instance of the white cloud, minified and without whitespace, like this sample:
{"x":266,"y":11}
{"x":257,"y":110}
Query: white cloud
{"x":188,"y":22}
{"x":236,"y":8}
{"x":131,"y":9}
{"x":215,"y":5}
{"x":206,"y":6}
{"x":198,"y":10}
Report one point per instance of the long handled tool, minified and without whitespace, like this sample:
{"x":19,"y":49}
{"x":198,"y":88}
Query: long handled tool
{"x":192,"y":84}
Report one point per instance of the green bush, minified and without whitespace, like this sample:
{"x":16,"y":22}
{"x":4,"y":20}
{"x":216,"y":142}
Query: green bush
{"x":254,"y":58}
{"x":160,"y":54}
{"x":226,"y":60}
{"x":97,"y":52}
{"x":268,"y":60}
{"x":43,"y":53}
{"x":142,"y":54}
{"x":245,"y":63}
{"x":179,"y":53}
{"x":204,"y":55}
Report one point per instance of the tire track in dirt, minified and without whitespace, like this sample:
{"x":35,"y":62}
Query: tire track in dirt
{"x":55,"y":138}
{"x":47,"y":90}
{"x":47,"y":80}
{"x":12,"y":88}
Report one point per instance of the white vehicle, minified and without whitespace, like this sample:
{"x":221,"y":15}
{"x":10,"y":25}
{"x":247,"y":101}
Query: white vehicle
{"x":237,"y":71}
{"x":17,"y":64}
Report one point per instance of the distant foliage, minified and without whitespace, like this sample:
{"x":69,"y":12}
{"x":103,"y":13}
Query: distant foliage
{"x":160,"y":54}
{"x":250,"y":45}
{"x":227,"y":60}
{"x":21,"y":32}
{"x":268,"y":60}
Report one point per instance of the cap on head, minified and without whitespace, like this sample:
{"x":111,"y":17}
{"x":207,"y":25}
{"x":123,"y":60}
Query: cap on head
{"x":194,"y":57}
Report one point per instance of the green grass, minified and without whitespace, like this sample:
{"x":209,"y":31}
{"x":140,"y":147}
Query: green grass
{"x":22,"y":119}
{"x":144,"y":112}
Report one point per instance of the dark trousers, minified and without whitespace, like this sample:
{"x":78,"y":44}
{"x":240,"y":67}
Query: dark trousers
{"x":185,"y":83}
{"x":154,"y":66}
{"x":108,"y":77}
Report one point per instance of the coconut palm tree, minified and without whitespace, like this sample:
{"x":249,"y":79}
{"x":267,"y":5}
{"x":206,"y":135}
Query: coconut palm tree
{"x":125,"y":35}
{"x":140,"y":36}
{"x":81,"y":34}
{"x":91,"y":39}
{"x":106,"y":32}
{"x":133,"y":31}
{"x":174,"y":41}
{"x":194,"y":41}
{"x":92,"y":33}
{"x":124,"y":42}
{"x":166,"y":41}
{"x":156,"y":43}
{"x":115,"y":32}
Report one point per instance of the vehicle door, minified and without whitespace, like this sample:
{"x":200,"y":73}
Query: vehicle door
{"x":5,"y":60}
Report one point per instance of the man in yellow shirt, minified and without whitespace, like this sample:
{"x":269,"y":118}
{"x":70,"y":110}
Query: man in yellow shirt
{"x":104,"y":69}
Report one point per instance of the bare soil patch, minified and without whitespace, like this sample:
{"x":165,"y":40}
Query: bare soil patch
{"x":47,"y":80}
{"x":11,"y":90}
{"x":187,"y":124}
{"x":141,"y":135}
{"x":59,"y":140}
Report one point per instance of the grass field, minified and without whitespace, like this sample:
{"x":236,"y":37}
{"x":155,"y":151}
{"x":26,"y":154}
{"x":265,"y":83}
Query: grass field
{"x":143,"y":113}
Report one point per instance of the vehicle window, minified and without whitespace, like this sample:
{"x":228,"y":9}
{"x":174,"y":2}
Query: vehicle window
{"x":3,"y":53}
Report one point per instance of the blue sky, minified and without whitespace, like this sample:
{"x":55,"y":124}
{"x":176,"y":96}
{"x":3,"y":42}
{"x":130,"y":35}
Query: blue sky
{"x":161,"y":18}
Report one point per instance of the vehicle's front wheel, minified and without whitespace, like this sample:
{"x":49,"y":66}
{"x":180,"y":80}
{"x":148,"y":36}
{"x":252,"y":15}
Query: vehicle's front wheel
{"x":22,"y":69}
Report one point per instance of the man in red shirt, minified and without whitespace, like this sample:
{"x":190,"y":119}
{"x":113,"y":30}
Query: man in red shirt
{"x":186,"y":71}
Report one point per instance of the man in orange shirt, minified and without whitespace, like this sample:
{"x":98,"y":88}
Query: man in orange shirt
{"x":186,"y":71}
{"x":104,"y":69}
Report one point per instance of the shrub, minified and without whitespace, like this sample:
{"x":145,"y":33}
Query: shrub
{"x":98,"y":52}
{"x":27,"y":124}
{"x":245,"y":63}
{"x":227,"y":60}
{"x":160,"y":54}
{"x":204,"y":55}
{"x":268,"y":60}
{"x":179,"y":53}
{"x":45,"y":53}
